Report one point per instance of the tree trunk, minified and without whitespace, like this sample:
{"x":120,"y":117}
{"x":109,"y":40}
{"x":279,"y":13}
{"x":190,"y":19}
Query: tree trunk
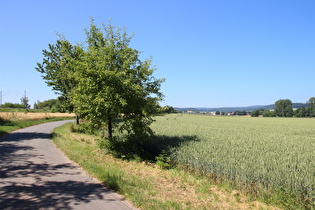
{"x":77,"y":119}
{"x":109,"y":127}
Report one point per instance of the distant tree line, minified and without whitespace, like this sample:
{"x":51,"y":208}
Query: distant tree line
{"x":12,"y":105}
{"x":240,"y":113}
{"x":23,"y":105}
{"x":262,"y":112}
{"x":168,"y":110}
{"x":283,"y":108}
{"x":52,"y":105}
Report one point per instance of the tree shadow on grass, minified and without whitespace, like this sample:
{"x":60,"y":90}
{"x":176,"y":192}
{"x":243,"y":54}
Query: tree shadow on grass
{"x":3,"y":124}
{"x":148,"y":149}
{"x":158,"y":144}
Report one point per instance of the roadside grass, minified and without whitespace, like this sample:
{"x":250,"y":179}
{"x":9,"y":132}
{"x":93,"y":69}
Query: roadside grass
{"x":145,"y":184}
{"x":7,"y":126}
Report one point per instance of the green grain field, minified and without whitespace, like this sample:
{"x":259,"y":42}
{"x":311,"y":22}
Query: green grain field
{"x":269,"y":153}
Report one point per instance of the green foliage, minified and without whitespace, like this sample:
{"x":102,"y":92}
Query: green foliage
{"x":283,"y":108}
{"x":311,"y":106}
{"x":309,"y":111}
{"x":121,"y":147}
{"x":301,"y":112}
{"x":24,"y":102}
{"x":255,"y":113}
{"x":104,"y":79}
{"x":168,"y":110}
{"x":240,"y":113}
{"x":52,"y":105}
{"x":113,"y":82}
{"x":5,"y":122}
{"x":12,"y":105}
{"x":262,"y":112}
{"x":58,"y":67}
{"x":268,"y":113}
{"x":163,"y":160}
{"x":82,"y":128}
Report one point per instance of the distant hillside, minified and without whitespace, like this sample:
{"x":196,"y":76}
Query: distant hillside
{"x":233,"y":109}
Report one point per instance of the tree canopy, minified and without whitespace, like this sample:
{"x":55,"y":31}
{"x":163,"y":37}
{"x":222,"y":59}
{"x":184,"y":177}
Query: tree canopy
{"x":53,"y":105}
{"x":311,"y":106}
{"x":104,"y":79}
{"x":59,"y":64}
{"x":12,"y":105}
{"x":283,"y":108}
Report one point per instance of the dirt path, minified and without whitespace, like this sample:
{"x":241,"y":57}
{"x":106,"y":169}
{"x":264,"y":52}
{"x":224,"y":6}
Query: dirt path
{"x":34,"y":174}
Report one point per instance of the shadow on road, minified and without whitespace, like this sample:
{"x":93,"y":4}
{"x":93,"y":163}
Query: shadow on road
{"x":27,"y":181}
{"x":21,"y":136}
{"x":56,"y":195}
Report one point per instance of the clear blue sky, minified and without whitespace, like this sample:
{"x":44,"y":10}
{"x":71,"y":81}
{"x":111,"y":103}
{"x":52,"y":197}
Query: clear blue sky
{"x":212,"y":53}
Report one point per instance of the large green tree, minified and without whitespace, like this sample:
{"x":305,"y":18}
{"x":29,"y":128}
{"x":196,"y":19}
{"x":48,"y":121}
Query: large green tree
{"x":311,"y":106}
{"x":113,"y":82}
{"x":283,"y":108}
{"x":105,"y":79}
{"x":301,"y":112}
{"x":60,"y":62}
{"x":24,"y":102}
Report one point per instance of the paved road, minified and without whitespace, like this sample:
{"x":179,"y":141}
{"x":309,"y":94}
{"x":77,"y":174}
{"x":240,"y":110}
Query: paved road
{"x":34,"y":174}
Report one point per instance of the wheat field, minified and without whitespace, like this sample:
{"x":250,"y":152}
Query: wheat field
{"x":32,"y":116}
{"x":270,"y":153}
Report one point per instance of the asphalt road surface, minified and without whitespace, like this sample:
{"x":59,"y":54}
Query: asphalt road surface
{"x":34,"y":174}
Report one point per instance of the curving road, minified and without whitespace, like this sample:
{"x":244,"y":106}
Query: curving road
{"x":34,"y":174}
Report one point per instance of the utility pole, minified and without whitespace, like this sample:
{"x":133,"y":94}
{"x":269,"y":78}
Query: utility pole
{"x":0,"y":98}
{"x":24,"y":100}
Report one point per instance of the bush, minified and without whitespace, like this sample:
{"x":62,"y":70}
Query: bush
{"x":255,"y":113}
{"x":121,"y":147}
{"x":5,"y":122}
{"x":82,"y":128}
{"x":163,"y":160}
{"x":1,"y":121}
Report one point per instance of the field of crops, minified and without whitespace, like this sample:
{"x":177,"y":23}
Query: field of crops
{"x":272,"y":153}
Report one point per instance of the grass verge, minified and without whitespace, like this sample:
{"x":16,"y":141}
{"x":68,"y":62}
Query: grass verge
{"x":7,"y":126}
{"x":146,"y":185}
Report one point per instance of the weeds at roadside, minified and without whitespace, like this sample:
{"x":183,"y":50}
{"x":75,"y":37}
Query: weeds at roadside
{"x":163,"y":160}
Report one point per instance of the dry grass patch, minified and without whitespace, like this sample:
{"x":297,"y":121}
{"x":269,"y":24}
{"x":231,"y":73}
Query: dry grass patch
{"x":194,"y":192}
{"x":32,"y":116}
